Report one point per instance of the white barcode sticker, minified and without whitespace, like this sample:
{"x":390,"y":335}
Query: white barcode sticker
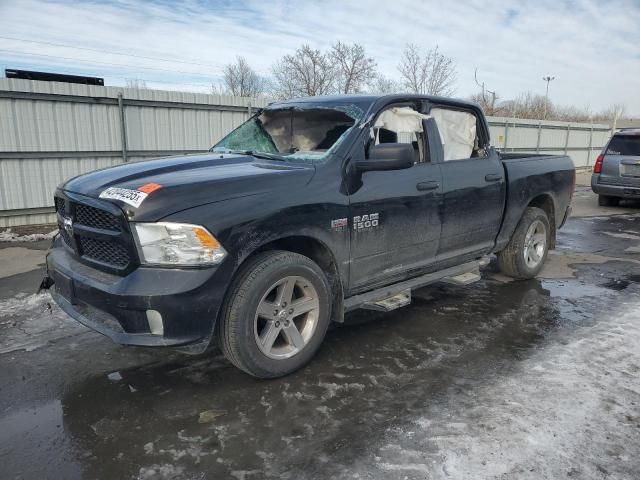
{"x":131,"y":197}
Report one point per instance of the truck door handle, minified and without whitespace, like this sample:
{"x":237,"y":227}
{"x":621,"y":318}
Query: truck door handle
{"x":493,"y":177}
{"x":428,"y":186}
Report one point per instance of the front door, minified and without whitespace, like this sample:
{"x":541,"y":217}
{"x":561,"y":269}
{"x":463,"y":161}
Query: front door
{"x":395,"y":224}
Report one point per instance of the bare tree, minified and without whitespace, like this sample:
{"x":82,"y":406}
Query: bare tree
{"x":529,"y":105}
{"x":384,"y":85}
{"x":488,"y":108}
{"x":611,"y":114}
{"x":218,"y":89}
{"x":135,"y":83}
{"x":411,"y":69}
{"x":430,"y":72}
{"x":570,"y":113}
{"x":240,"y":80}
{"x":532,"y":106}
{"x":353,"y":69}
{"x":282,"y":84}
{"x":308,"y":72}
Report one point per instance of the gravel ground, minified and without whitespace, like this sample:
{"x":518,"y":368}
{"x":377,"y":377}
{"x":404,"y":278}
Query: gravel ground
{"x":500,"y":379}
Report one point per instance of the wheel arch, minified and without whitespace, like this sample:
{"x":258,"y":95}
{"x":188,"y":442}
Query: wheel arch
{"x":316,"y":250}
{"x":321,"y":254}
{"x":545,"y":202}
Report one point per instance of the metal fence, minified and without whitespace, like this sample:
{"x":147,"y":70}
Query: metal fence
{"x":581,"y":141}
{"x":50,"y":132}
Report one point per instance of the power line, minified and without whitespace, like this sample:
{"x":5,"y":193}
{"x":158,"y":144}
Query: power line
{"x":14,"y":52}
{"x":109,"y":52}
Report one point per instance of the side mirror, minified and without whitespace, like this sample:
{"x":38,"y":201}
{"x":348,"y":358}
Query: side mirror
{"x":388,"y":156}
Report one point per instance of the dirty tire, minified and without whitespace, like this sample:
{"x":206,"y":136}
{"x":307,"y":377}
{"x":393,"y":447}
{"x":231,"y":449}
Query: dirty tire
{"x":236,"y":328}
{"x":511,"y":260}
{"x":608,"y":201}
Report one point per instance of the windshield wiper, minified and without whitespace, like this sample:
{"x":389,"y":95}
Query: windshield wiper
{"x":256,"y":154}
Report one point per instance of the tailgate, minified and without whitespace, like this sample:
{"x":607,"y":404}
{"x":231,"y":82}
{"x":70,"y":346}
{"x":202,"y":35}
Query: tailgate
{"x":620,"y":170}
{"x":630,"y":168}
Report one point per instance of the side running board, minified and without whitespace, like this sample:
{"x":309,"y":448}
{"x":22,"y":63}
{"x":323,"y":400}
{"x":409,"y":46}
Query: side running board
{"x":398,"y":295}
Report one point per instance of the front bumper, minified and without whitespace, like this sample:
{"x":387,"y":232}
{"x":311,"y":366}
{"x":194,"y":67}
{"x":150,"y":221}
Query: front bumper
{"x":188,"y":300}
{"x":621,"y":191}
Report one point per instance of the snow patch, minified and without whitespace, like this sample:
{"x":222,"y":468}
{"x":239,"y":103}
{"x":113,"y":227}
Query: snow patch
{"x":28,"y":322}
{"x":9,"y":236}
{"x":162,"y":472}
{"x":245,"y":474}
{"x":332,"y":389}
{"x":564,"y":403}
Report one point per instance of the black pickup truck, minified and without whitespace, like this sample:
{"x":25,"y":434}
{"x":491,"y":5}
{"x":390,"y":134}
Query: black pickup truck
{"x":311,"y":208}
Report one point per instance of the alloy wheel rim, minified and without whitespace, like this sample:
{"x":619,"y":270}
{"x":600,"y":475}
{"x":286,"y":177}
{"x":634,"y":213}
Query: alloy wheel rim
{"x":286,"y":317}
{"x":535,"y":244}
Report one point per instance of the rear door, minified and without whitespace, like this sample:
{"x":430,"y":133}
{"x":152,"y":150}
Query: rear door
{"x":621,"y":164}
{"x":474,"y":187}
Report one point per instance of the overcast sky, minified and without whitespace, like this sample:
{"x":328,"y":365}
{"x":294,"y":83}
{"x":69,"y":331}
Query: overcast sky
{"x":591,"y":47}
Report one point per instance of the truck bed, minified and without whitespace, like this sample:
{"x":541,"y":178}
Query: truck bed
{"x":522,"y":156}
{"x":548,"y":179}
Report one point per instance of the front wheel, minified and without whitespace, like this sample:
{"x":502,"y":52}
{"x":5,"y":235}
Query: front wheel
{"x":527,"y":250}
{"x":276,"y":315}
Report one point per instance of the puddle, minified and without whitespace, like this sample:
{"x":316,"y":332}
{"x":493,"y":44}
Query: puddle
{"x":36,"y":432}
{"x":617,"y":285}
{"x":573,"y":289}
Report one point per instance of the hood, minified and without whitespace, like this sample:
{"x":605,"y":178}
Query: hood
{"x":169,"y":185}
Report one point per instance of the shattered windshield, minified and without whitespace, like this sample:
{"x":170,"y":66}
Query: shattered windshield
{"x":308,"y":134}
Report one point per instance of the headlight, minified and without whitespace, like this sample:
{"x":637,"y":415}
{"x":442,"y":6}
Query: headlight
{"x":177,"y":244}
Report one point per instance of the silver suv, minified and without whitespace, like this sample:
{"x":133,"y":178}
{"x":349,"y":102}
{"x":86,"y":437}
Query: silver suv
{"x":616,"y":173}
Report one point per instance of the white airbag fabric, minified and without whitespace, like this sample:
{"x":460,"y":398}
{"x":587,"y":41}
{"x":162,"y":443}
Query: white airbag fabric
{"x":401,"y":119}
{"x":457,"y":131}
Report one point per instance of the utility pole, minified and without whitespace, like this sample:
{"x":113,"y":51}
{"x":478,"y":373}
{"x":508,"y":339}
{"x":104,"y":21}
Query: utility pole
{"x":546,"y":95}
{"x":492,"y":105}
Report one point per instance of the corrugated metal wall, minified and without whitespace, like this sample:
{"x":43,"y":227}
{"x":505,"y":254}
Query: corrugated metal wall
{"x":581,"y":141}
{"x":52,"y":131}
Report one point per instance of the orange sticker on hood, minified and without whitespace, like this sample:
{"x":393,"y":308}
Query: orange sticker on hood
{"x":149,"y":187}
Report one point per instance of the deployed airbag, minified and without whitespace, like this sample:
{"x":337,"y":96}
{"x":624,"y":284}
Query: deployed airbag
{"x":401,"y":119}
{"x":457,"y":132}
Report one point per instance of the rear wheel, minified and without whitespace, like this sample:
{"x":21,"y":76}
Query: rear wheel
{"x":608,"y":201}
{"x":276,"y":315}
{"x":527,"y":250}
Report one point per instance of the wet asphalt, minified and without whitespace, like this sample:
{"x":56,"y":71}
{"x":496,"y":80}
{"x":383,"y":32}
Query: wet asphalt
{"x":498,"y":379}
